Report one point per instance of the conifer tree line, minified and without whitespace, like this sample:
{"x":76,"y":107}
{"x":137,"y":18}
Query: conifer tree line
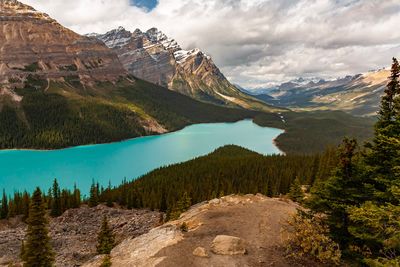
{"x":56,"y":200}
{"x":361,"y":200}
{"x":228,"y":170}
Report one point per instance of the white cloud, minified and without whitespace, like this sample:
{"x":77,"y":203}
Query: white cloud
{"x":257,"y":42}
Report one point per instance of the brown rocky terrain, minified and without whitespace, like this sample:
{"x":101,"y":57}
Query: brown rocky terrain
{"x":74,"y":234}
{"x":230,"y":231}
{"x":33,"y":45}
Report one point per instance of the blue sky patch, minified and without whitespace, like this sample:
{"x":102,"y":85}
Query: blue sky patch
{"x":147,"y":4}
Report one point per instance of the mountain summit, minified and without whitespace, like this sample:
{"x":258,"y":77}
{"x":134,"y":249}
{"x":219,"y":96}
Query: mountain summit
{"x":154,"y":57}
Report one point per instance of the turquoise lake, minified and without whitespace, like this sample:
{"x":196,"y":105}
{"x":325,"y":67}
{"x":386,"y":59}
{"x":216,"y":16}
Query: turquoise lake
{"x":26,"y":169}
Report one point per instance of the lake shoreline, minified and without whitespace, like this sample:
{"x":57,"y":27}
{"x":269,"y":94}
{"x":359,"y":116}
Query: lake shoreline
{"x":22,"y":169}
{"x":117,"y":141}
{"x":143,"y":136}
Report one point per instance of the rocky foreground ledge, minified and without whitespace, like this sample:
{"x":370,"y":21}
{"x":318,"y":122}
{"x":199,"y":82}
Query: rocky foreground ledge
{"x":230,"y":231}
{"x":74,"y":234}
{"x":235,"y":230}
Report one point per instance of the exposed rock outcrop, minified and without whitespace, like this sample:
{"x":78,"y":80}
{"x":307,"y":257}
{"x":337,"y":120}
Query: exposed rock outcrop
{"x":228,"y":221}
{"x":200,"y":252}
{"x":228,"y":245}
{"x":33,"y":45}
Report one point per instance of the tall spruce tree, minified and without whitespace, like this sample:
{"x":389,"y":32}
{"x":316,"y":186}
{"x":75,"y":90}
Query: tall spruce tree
{"x":105,"y":238}
{"x":341,"y":191}
{"x":376,"y":222}
{"x":94,"y":195}
{"x":383,"y":158}
{"x":38,"y":250}
{"x":56,"y":200}
{"x":4,"y":206}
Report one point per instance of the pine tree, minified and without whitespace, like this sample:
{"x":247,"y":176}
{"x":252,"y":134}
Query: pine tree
{"x":38,"y":251}
{"x":376,"y":222}
{"x":295,"y":191}
{"x":341,"y":191}
{"x":382,"y":156}
{"x":4,"y":206}
{"x":94,"y":195}
{"x":108,"y":196}
{"x":25,"y":206}
{"x":105,"y":238}
{"x":56,"y":209}
{"x":76,"y":202}
{"x":387,"y":112}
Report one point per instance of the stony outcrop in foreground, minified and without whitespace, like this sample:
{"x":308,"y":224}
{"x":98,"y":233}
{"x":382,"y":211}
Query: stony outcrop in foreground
{"x":231,"y":231}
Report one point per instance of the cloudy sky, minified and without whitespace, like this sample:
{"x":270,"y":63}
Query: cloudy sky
{"x":256,"y":43}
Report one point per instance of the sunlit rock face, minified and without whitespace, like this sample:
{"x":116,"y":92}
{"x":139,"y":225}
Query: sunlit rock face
{"x":154,"y":57}
{"x":33,"y":44}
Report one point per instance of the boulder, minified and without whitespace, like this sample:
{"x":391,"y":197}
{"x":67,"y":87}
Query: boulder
{"x":228,"y":245}
{"x":200,"y":252}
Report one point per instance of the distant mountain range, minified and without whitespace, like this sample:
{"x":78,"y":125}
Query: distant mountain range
{"x":359,"y":94}
{"x":155,"y":58}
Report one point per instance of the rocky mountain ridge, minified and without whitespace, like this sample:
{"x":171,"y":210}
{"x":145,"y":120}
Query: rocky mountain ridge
{"x":156,"y":58}
{"x":359,"y":94}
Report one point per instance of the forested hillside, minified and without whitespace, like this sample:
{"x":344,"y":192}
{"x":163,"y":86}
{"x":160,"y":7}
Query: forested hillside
{"x":228,"y":170}
{"x":311,"y":132}
{"x":57,"y":115}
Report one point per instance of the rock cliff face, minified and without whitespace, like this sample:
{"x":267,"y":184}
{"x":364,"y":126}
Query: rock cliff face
{"x":154,"y":57}
{"x":33,"y":44}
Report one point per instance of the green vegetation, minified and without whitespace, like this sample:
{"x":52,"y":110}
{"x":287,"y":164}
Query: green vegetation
{"x":106,"y":261}
{"x":311,"y":132}
{"x":61,"y":116}
{"x":295,"y":192}
{"x":308,"y":238}
{"x":56,"y":200}
{"x":37,"y":250}
{"x":105,"y":238}
{"x":4,"y":206}
{"x":228,"y":170}
{"x":361,"y":200}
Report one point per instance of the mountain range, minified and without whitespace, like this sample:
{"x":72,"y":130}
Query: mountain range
{"x":358,"y":95}
{"x":156,"y":58}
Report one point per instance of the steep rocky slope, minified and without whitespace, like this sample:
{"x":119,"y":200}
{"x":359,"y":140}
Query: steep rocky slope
{"x":154,"y":57}
{"x":358,"y":95}
{"x":248,"y":226}
{"x":74,"y":234}
{"x":33,"y":45}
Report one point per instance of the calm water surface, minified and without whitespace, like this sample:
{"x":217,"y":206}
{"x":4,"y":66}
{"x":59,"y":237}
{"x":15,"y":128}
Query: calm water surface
{"x":26,"y":169}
